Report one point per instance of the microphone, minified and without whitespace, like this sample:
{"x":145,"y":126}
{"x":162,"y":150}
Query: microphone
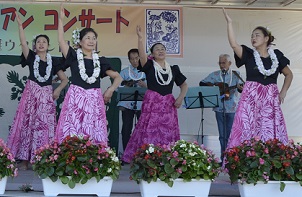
{"x":224,"y":71}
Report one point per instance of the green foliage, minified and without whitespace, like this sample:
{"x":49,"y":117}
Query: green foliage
{"x":17,"y":90}
{"x":76,"y":160}
{"x":7,"y":162}
{"x":178,"y":160}
{"x":255,"y":160}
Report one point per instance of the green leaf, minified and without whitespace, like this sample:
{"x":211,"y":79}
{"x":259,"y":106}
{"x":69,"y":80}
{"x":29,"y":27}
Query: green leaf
{"x":277,"y":163}
{"x":168,"y":168}
{"x":276,"y":176}
{"x":59,"y":172}
{"x":170,"y":183}
{"x":64,"y":179}
{"x":282,"y":186}
{"x":82,"y":158}
{"x":173,"y":162}
{"x":299,"y":176}
{"x":50,"y":171}
{"x":84,"y":180}
{"x":71,"y":184}
{"x":289,"y":170}
{"x":43,"y":176}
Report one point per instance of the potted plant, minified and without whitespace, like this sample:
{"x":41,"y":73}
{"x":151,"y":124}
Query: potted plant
{"x":74,"y":162}
{"x":174,"y":169}
{"x":7,"y":166}
{"x":255,"y":162}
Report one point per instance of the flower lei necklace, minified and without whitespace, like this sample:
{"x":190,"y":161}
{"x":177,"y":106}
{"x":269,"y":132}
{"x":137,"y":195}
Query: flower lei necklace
{"x":48,"y":68}
{"x":96,"y":64}
{"x":259,"y":63}
{"x":159,"y":71}
{"x":133,"y":77}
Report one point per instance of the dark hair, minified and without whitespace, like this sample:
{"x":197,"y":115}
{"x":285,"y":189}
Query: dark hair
{"x":266,"y":32}
{"x":84,"y":31}
{"x":152,"y":48}
{"x":41,"y":35}
{"x":132,"y":51}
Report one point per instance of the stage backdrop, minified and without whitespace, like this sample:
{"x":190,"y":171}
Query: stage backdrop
{"x":202,"y":39}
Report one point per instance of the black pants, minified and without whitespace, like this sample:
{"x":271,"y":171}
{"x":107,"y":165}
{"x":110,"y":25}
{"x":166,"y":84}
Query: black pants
{"x":127,"y":117}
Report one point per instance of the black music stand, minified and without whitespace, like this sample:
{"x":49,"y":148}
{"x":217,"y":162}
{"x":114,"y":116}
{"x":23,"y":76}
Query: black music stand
{"x":131,"y":94}
{"x":202,"y":97}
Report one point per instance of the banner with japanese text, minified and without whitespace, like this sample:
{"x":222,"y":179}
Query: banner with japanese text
{"x":115,"y":25}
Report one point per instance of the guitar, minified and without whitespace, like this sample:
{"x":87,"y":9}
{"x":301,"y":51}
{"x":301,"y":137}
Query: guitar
{"x":224,"y":89}
{"x":131,"y":83}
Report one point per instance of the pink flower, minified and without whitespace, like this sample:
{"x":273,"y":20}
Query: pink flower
{"x":179,"y":170}
{"x":175,"y":154}
{"x":261,"y":161}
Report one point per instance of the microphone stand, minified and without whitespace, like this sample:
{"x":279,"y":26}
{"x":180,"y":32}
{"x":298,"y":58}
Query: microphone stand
{"x":223,"y":109}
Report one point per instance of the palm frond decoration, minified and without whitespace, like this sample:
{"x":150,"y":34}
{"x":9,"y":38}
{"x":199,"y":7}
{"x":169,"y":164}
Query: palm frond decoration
{"x":1,"y":112}
{"x":17,"y":90}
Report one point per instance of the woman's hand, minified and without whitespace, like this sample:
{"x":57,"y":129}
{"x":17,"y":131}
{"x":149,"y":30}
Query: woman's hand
{"x":227,"y":17}
{"x":62,"y":12}
{"x":18,"y":19}
{"x":139,"y":32}
{"x":178,"y":102}
{"x":56,"y":94}
{"x":107,"y":95}
{"x":282,"y":96}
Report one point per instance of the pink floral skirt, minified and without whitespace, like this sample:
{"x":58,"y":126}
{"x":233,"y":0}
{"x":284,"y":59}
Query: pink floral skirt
{"x":34,"y":123}
{"x":258,"y":114}
{"x":83,"y":114}
{"x":158,"y":123}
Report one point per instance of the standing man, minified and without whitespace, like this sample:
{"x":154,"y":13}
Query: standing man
{"x":131,"y":109}
{"x":230,"y":85}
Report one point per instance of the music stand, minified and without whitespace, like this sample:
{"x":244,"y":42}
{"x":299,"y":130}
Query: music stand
{"x":131,"y":94}
{"x":202,"y":97}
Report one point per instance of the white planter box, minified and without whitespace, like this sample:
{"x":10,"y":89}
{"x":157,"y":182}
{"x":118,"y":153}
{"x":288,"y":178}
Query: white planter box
{"x":197,"y":188}
{"x":92,"y":187}
{"x":3,"y":182}
{"x":272,"y":188}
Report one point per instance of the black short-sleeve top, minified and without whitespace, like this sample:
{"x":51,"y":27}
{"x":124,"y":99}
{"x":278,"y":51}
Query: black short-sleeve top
{"x":252,"y":72}
{"x":153,"y":85}
{"x":56,"y":66}
{"x":72,"y":62}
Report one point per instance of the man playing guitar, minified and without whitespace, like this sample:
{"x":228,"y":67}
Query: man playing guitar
{"x":230,"y":85}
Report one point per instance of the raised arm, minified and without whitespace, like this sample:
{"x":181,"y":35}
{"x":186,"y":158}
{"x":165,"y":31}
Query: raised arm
{"x":24,"y":46}
{"x":231,"y":35}
{"x":63,"y":45}
{"x":141,"y":48}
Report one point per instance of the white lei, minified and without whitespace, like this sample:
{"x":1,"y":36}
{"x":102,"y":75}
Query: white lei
{"x":133,"y":77}
{"x":96,"y":64}
{"x":259,"y":62}
{"x":159,"y":71}
{"x":48,"y":68}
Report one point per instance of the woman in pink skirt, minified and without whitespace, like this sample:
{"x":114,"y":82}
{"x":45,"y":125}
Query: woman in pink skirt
{"x":35,"y":120}
{"x":158,"y":123}
{"x":259,"y":113}
{"x":83,"y":112}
